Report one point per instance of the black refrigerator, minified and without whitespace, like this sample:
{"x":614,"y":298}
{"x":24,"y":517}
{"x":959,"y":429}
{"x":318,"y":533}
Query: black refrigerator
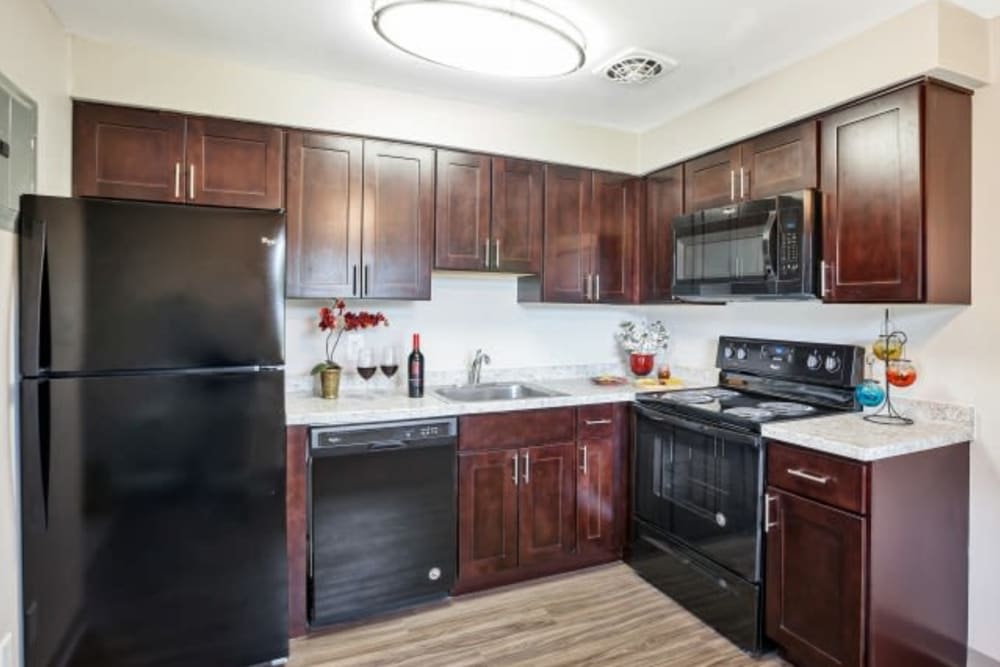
{"x":152,"y":448}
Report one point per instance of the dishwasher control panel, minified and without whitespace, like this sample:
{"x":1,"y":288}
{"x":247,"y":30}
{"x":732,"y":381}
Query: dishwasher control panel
{"x":325,"y":437}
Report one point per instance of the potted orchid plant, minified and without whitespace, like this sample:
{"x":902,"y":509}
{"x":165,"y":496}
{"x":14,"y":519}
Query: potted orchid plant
{"x":335,"y":321}
{"x":642,"y":340}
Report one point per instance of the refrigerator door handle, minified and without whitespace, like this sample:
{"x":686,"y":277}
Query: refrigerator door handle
{"x":35,"y":454}
{"x":33,"y":251}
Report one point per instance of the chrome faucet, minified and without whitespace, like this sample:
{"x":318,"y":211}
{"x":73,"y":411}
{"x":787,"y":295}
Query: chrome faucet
{"x":476,"y":368}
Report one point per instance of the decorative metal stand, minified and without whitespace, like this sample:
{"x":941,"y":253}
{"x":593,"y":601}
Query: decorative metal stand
{"x":887,"y":413}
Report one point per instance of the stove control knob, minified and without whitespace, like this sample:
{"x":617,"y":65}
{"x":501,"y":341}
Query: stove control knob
{"x":727,"y":352}
{"x":741,"y":353}
{"x":832,"y":364}
{"x":813,"y":361}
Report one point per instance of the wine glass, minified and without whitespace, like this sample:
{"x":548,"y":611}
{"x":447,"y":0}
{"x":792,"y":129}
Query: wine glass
{"x":366,"y":366}
{"x":390,"y":364}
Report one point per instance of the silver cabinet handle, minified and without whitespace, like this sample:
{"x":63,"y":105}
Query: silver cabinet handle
{"x":596,"y":422}
{"x":515,"y":468}
{"x":597,"y":287}
{"x":177,"y":180}
{"x":767,"y":513}
{"x":742,"y":191}
{"x":588,"y":287}
{"x":366,"y":284}
{"x":496,"y":265}
{"x":732,"y":185}
{"x":583,"y":450}
{"x":802,"y":474}
{"x":822,"y":278}
{"x":354,"y":280}
{"x":527,"y":468}
{"x":486,"y":253}
{"x":191,"y":182}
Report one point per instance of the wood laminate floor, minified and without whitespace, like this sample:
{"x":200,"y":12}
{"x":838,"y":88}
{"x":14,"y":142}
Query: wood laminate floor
{"x":605,"y":616}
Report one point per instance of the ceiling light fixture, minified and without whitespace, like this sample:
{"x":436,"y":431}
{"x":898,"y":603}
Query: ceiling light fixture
{"x":514,"y":38}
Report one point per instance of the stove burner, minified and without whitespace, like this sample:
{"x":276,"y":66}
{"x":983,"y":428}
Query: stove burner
{"x":753,"y":414}
{"x":721,"y":393}
{"x":695,"y":398}
{"x":786,"y":407}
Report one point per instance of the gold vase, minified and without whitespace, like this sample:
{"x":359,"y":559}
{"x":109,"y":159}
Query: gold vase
{"x":329,"y":379}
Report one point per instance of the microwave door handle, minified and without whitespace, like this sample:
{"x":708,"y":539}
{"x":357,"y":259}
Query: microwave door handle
{"x":770,"y":247}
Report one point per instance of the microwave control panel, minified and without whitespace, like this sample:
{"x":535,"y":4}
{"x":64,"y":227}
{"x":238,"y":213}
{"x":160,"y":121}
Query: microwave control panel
{"x":789,"y":245}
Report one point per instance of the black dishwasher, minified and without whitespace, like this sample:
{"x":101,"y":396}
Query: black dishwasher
{"x":382,"y":517}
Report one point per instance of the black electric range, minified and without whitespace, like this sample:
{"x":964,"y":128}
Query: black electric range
{"x":698,"y":473}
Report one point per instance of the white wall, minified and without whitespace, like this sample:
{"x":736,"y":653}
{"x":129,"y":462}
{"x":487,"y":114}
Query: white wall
{"x":144,"y":77}
{"x":34,"y":56}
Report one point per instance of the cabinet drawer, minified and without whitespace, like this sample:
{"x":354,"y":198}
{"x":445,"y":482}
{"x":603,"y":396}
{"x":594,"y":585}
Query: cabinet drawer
{"x":595,"y":421}
{"x":522,"y":428}
{"x":827,"y":479}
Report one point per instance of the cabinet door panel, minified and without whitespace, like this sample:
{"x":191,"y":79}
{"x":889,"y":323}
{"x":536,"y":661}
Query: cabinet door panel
{"x":547,"y":503}
{"x":487,"y":513}
{"x":781,"y":161}
{"x":324,"y":215}
{"x":231,"y":163}
{"x":398,"y":225}
{"x":664,"y":200}
{"x":615,"y":225}
{"x":872,"y":208}
{"x":569,"y":238}
{"x":710,"y":180}
{"x":815,"y":582}
{"x":595,"y":497}
{"x":518,"y":210}
{"x":463,"y":212}
{"x":127,"y":153}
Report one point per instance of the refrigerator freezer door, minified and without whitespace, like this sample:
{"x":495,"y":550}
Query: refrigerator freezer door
{"x":153,"y":525}
{"x":118,"y":286}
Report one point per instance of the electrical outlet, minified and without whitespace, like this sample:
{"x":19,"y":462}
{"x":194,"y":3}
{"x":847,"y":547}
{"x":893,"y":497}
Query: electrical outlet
{"x":7,"y":651}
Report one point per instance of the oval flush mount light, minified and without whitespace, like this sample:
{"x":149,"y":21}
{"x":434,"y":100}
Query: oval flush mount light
{"x":514,"y":38}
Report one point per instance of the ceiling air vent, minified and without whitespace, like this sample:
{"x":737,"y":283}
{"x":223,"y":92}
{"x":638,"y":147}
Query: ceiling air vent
{"x":634,"y":66}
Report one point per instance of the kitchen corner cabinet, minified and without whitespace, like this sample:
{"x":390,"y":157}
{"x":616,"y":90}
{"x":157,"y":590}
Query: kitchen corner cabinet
{"x":360,"y":218}
{"x":781,"y":161}
{"x":591,"y":222}
{"x":866,"y":563}
{"x":896,"y":184}
{"x":534,"y":497}
{"x":489,"y":214}
{"x":126,"y":153}
{"x":664,"y":200}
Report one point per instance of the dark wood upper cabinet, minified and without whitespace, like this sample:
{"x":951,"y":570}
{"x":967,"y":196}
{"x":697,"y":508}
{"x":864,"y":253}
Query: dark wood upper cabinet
{"x":324,"y":215}
{"x":232,"y":163}
{"x":518,"y":211}
{"x":487,"y":513}
{"x":710,"y":180}
{"x":615,"y":226}
{"x":781,"y":161}
{"x":128,"y":153}
{"x":547,"y":503}
{"x":664,"y":201}
{"x":816,"y":582}
{"x":398,"y":228}
{"x":463,"y":239}
{"x":896,"y":183}
{"x":569,"y":239}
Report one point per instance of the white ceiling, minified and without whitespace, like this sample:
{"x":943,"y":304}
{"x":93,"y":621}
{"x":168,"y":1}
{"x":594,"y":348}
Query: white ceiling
{"x":720,"y":45}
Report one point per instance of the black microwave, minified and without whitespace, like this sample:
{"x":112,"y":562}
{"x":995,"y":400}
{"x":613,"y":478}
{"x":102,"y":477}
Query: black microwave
{"x":761,"y":249}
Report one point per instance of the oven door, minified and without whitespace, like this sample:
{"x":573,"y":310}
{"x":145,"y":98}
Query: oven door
{"x":701,"y":485}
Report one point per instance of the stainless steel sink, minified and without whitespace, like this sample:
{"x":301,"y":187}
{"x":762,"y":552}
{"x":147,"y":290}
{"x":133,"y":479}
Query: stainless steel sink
{"x":494,"y":391}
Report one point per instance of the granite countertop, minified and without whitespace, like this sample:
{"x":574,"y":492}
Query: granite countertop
{"x":306,"y":408}
{"x":935,"y":425}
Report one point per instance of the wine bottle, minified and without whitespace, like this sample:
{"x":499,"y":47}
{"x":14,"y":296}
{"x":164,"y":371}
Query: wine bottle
{"x":416,"y":369}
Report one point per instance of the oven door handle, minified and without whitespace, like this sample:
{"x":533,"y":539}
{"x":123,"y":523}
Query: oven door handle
{"x":729,"y":434}
{"x":770,"y":248}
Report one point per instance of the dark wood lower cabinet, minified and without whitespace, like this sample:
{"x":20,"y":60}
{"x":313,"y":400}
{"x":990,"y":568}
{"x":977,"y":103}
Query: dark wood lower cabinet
{"x":815,"y":581}
{"x":595,"y":497}
{"x":296,"y":501}
{"x":547,"y":503}
{"x":487,"y":512}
